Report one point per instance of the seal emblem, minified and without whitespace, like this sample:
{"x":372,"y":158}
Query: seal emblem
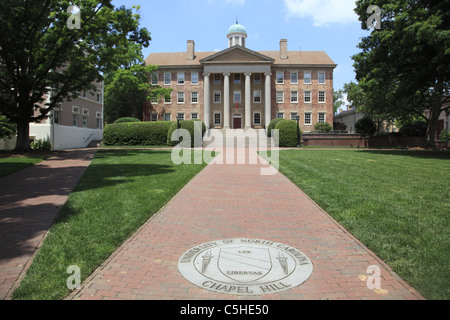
{"x":245,"y":266}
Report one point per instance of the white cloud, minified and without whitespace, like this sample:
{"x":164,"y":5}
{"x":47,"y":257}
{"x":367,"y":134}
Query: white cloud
{"x":236,"y":2}
{"x":323,"y":12}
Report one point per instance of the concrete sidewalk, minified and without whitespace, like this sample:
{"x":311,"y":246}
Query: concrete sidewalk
{"x":235,"y":201}
{"x":29,"y":202}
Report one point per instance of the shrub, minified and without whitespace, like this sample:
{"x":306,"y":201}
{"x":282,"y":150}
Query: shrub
{"x":339,"y":126}
{"x":272,"y":125}
{"x":288,"y":133}
{"x":126,"y":120}
{"x":444,"y":136}
{"x":189,"y":126}
{"x":7,"y":129}
{"x":41,"y":145}
{"x":416,"y":128}
{"x":136,"y":133}
{"x":365,"y":126}
{"x":324,"y":127}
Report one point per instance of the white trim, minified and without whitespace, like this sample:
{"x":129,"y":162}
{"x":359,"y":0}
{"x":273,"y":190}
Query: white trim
{"x":75,"y":110}
{"x":260,"y":118}
{"x":276,"y":97}
{"x":310,"y":119}
{"x":183,"y":74}
{"x":192,"y":92}
{"x":310,"y":96}
{"x":198,"y":78}
{"x":170,"y":79}
{"x":178,"y":97}
{"x":214,"y":118}
{"x":290,"y":78}
{"x":260,"y":96}
{"x":324,"y":96}
{"x":324,"y":77}
{"x":276,"y":77}
{"x":220,"y":96}
{"x":292,"y":96}
{"x":304,"y":77}
{"x":324,"y":117}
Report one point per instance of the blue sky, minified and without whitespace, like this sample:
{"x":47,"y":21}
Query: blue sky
{"x":309,"y":25}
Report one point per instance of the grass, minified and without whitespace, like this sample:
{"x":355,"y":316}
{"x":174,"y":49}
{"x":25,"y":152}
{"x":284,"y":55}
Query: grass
{"x":395,"y":202}
{"x":11,"y":164}
{"x":119,"y":191}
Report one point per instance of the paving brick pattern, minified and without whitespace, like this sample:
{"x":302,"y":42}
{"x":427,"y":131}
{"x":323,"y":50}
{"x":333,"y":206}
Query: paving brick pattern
{"x":233,"y":201}
{"x":29,"y":202}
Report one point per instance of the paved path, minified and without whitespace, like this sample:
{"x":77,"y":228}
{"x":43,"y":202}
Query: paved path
{"x":233,"y":201}
{"x":29,"y":202}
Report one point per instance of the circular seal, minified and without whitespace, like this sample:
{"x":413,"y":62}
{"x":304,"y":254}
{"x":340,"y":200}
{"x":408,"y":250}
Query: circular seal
{"x":245,"y":266}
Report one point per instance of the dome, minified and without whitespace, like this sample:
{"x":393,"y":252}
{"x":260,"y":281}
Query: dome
{"x":237,"y":28}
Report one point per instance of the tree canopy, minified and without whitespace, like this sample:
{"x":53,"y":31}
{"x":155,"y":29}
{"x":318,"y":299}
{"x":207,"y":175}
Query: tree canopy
{"x":40,"y":50}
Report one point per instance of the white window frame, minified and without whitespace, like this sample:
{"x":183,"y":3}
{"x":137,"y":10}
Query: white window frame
{"x":194,"y":78}
{"x":294,"y":98}
{"x":167,"y":114}
{"x":152,"y":117}
{"x":183,"y":97}
{"x":310,"y":77}
{"x":85,"y":121}
{"x":217,"y":94}
{"x":308,"y":116}
{"x":280,"y":113}
{"x":278,"y":95}
{"x":296,"y":115}
{"x":75,"y":110}
{"x":167,"y":79}
{"x":324,"y":77}
{"x":180,"y":116}
{"x":308,"y":95}
{"x":282,"y":77}
{"x":154,"y":78}
{"x":194,"y":95}
{"x":234,"y":97}
{"x":192,"y":115}
{"x":324,"y":96}
{"x":181,"y":78}
{"x":296,"y":75}
{"x":257,"y":94}
{"x":85,"y":112}
{"x":260,"y":118}
{"x":324,"y":117}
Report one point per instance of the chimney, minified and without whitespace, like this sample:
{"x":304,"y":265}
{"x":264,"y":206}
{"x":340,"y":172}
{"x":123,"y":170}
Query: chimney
{"x":283,"y":49}
{"x":190,"y":50}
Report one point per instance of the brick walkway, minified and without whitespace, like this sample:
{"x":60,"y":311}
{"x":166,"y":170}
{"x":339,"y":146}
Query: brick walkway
{"x":233,"y":201}
{"x":29,"y":202}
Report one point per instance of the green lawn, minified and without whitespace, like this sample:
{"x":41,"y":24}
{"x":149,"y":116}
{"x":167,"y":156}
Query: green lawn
{"x":119,"y":191}
{"x":396,"y":202}
{"x":10,"y":164}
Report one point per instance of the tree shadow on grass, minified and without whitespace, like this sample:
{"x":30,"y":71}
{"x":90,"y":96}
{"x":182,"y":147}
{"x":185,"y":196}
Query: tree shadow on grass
{"x":422,"y":154}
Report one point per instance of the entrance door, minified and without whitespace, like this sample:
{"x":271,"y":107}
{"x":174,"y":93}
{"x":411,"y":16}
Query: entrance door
{"x":237,"y":123}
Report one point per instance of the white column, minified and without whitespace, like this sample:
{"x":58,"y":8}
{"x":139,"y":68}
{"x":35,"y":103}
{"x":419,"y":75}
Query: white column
{"x":207,"y":101}
{"x":248,"y":99}
{"x":226,"y":101}
{"x":268,"y":99}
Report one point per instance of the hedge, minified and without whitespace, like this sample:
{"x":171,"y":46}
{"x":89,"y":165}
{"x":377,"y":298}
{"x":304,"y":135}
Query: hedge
{"x":189,"y":126}
{"x":137,"y":133}
{"x":288,"y":133}
{"x":272,"y":125}
{"x":127,"y":119}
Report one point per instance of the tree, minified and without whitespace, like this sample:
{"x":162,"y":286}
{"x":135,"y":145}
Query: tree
{"x":405,"y":65}
{"x":42,"y":49}
{"x":338,"y":102}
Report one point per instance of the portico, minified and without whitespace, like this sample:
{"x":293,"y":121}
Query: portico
{"x":237,"y":67}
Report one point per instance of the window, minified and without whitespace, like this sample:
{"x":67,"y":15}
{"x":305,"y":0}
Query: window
{"x":75,"y":110}
{"x":167,"y":116}
{"x":217,"y":119}
{"x":85,"y":121}
{"x":237,"y":78}
{"x":99,"y":98}
{"x":237,"y":97}
{"x":167,"y":79}
{"x":85,"y":112}
{"x":56,"y":116}
{"x":194,"y":116}
{"x":99,"y":123}
{"x":154,"y":117}
{"x":75,"y":120}
{"x":321,"y":77}
{"x":280,"y":115}
{"x":154,"y":99}
{"x":321,"y":117}
{"x":257,"y":118}
{"x":194,"y":78}
{"x":307,"y":96}
{"x":307,"y":118}
{"x":168,"y":99}
{"x":194,"y":97}
{"x":180,"y":97}
{"x":180,"y":116}
{"x":217,"y":96}
{"x":180,"y":78}
{"x":294,"y":116}
{"x":154,"y":78}
{"x":322,"y":96}
{"x":85,"y":94}
{"x":294,"y":96}
{"x":280,"y":77}
{"x":257,"y":96}
{"x":217,"y":79}
{"x":307,"y":77}
{"x":280,"y":96}
{"x":257,"y":78}
{"x":294,"y":77}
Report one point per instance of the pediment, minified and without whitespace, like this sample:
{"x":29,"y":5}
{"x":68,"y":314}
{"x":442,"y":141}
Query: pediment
{"x":237,"y":54}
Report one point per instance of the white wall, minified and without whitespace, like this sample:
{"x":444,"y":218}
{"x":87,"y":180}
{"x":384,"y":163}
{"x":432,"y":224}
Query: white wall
{"x":65,"y":137}
{"x":8,"y":144}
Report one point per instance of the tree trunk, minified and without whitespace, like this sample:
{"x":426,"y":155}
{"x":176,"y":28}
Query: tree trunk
{"x":435,"y":112}
{"x":23,"y":136}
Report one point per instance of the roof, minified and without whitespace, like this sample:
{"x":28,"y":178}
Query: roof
{"x":237,"y":28}
{"x":179,"y":59}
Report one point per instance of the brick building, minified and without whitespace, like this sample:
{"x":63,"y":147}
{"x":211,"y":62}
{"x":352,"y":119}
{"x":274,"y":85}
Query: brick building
{"x":241,"y":88}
